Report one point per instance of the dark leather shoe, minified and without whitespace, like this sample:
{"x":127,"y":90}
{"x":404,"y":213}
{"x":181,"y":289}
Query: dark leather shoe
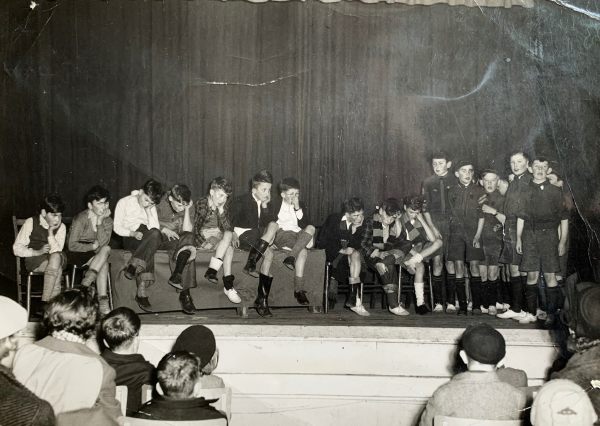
{"x":143,"y":303}
{"x":211,"y":275}
{"x":187,"y":304}
{"x":262,"y":307}
{"x":175,"y":281}
{"x":130,"y":272}
{"x":422,"y":309}
{"x":476,"y":311}
{"x":301,"y":297}
{"x":290,"y":262}
{"x":461,"y":312}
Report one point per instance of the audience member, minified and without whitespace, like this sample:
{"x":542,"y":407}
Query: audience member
{"x":200,"y":341}
{"x":61,"y":369}
{"x":178,"y":374}
{"x":18,"y":405}
{"x":89,"y":236}
{"x":120,"y":333}
{"x":584,"y":365}
{"x":562,"y":403}
{"x":41,"y":240}
{"x":477,"y":393}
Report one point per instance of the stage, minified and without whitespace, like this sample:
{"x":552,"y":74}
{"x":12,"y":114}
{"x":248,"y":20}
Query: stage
{"x":299,"y":368}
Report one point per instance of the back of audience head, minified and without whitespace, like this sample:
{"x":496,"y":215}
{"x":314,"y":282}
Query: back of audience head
{"x":120,"y":330}
{"x":178,"y":373}
{"x":13,"y":318}
{"x":73,"y":312}
{"x":153,"y":190}
{"x":200,"y":341}
{"x":562,"y":402}
{"x":482,"y":347}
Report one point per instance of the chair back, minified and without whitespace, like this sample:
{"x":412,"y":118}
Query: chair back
{"x":121,"y":395}
{"x":459,"y":421}
{"x":132,"y":421}
{"x":223,"y":396}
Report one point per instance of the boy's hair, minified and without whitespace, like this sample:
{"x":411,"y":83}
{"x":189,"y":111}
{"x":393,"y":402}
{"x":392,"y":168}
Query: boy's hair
{"x":541,"y":159}
{"x":390,"y":206}
{"x":52,"y":204}
{"x":181,"y":193}
{"x":439,"y":155}
{"x":154,"y":190}
{"x":97,"y":193}
{"x":353,"y":204}
{"x":222,"y":184}
{"x":264,"y":176}
{"x":120,"y":326}
{"x":177,"y":373}
{"x":519,"y":152}
{"x":289,"y":183}
{"x":489,"y":171}
{"x":73,"y":311}
{"x":414,"y":202}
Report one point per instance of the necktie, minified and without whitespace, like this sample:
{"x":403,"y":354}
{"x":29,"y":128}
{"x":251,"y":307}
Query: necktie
{"x":442,"y":195}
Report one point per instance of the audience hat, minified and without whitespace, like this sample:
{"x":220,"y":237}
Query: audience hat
{"x":13,"y":317}
{"x":562,"y":402}
{"x":199,"y":340}
{"x":589,"y":313}
{"x":483,"y":343}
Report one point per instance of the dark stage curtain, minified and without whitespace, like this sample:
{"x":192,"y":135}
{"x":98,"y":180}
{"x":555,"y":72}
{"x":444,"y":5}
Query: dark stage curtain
{"x":348,"y":97}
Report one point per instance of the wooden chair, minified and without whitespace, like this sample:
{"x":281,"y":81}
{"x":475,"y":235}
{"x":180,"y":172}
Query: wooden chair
{"x":456,"y":421}
{"x":23,"y":273}
{"x":409,"y":288}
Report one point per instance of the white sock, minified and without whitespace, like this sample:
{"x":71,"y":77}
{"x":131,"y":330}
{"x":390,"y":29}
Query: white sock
{"x":419,"y":293}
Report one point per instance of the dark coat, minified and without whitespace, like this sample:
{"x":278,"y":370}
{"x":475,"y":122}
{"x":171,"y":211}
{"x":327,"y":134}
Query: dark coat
{"x":245,"y":215}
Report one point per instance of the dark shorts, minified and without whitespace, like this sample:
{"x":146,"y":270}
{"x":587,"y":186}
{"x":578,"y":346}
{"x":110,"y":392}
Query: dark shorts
{"x":80,"y":258}
{"x":509,"y":253}
{"x":492,"y":247}
{"x":442,"y":223}
{"x":460,"y":247}
{"x":285,"y":239}
{"x":249,"y":239}
{"x":540,"y":251}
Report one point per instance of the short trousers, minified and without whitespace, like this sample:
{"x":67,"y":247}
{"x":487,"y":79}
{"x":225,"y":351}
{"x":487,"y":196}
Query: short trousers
{"x":460,"y":247}
{"x":40,"y":263}
{"x":250,"y":238}
{"x":442,"y":224}
{"x":80,"y":258}
{"x":492,"y":247}
{"x":509,"y":253}
{"x":540,"y":251}
{"x":212,"y":238}
{"x":285,"y":239}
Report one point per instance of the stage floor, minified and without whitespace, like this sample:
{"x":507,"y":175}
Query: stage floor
{"x":336,"y":317}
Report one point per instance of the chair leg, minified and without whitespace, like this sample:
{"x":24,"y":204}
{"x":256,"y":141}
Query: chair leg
{"x":326,"y":289}
{"x":430,"y":286}
{"x":28,"y":295}
{"x":109,"y":290}
{"x":73,"y":276}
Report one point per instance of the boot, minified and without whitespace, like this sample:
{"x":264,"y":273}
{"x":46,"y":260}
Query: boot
{"x":262,"y":299}
{"x":89,"y":278}
{"x":141,"y":298}
{"x":213,"y":268}
{"x":254,"y":256}
{"x":229,"y":291}
{"x":187,"y":304}
{"x":175,"y":279}
{"x":421,"y":308}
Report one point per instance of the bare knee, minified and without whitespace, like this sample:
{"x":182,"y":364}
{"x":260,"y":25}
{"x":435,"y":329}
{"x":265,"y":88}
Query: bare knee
{"x":227,"y":237}
{"x":310,"y":230}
